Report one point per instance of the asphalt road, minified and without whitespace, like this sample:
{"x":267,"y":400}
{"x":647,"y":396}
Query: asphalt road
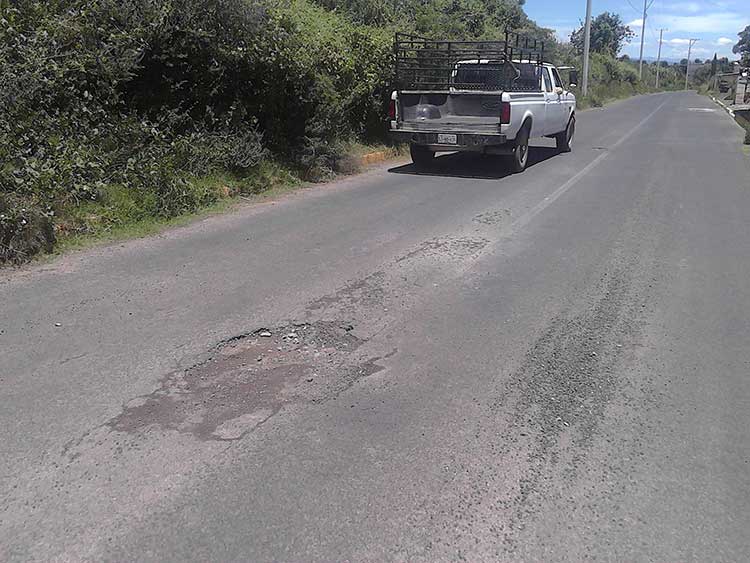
{"x":552,"y":366}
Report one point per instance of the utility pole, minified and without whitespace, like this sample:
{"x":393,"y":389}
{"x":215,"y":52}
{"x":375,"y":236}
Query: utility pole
{"x":643,"y":37}
{"x":687,"y":68}
{"x":586,"y":45}
{"x":658,"y":58}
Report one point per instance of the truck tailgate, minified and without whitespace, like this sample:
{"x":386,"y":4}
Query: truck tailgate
{"x":464,"y":112}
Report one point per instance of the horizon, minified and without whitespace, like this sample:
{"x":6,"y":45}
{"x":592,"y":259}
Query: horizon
{"x":715,"y":23}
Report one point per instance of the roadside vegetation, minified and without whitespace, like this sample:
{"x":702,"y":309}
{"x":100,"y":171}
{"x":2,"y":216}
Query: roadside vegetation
{"x":117,"y":115}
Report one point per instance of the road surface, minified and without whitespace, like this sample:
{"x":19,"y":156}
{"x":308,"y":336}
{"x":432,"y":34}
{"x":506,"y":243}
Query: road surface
{"x":456,"y":365}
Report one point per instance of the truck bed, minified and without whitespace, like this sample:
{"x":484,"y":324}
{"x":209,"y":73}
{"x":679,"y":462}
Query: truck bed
{"x":450,"y":111}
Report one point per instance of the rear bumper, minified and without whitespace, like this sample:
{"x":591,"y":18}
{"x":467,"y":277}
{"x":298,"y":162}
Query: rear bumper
{"x":464,"y":141}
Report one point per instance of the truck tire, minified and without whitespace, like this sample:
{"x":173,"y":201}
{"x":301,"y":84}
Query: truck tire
{"x":520,"y":156}
{"x":564,"y":139}
{"x":421,"y":156}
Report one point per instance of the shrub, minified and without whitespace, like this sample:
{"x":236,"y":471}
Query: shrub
{"x":25,"y":229}
{"x":145,"y":95}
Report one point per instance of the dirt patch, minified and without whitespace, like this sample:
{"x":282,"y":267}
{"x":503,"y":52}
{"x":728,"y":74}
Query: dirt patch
{"x":246,"y":380}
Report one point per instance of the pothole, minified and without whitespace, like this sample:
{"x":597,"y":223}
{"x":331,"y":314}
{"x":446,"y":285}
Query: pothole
{"x":246,"y":380}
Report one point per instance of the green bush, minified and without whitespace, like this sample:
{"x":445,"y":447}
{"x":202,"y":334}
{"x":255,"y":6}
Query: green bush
{"x":25,"y":229}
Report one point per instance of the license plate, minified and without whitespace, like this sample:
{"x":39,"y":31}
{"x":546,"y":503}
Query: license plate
{"x":447,"y":139}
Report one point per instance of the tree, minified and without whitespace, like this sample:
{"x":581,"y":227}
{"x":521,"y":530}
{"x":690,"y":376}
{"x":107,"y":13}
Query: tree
{"x":714,"y":65}
{"x":700,"y":75}
{"x":698,"y":62}
{"x":742,"y":47}
{"x":608,"y":35}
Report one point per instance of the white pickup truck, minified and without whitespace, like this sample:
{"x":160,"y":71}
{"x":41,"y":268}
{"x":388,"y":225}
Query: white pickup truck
{"x":489,"y":97}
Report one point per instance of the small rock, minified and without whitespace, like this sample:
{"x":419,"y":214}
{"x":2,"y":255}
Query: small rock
{"x":292,"y":335}
{"x":58,"y":324}
{"x":265,"y":333}
{"x":593,"y":353}
{"x":259,"y":359}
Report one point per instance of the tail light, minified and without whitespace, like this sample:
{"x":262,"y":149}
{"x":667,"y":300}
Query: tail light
{"x":392,"y":109}
{"x":505,"y":113}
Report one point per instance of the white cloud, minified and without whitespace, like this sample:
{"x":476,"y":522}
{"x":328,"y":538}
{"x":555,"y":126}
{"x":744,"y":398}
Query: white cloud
{"x":689,"y":7}
{"x":681,"y":53}
{"x":563,"y":33}
{"x":719,"y":22}
{"x":678,"y":41}
{"x":725,"y":41}
{"x":635,"y":24}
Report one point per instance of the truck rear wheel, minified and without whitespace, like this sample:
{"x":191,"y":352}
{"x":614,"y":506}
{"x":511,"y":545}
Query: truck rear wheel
{"x":564,"y":139}
{"x":520,"y":156}
{"x":421,"y":156}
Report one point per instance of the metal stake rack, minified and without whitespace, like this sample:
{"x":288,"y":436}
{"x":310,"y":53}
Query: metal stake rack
{"x":428,"y":65}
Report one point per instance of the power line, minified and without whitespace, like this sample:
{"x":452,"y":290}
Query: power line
{"x":636,"y":10}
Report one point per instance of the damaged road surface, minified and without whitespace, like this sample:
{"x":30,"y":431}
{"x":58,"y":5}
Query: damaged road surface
{"x":400,"y":366}
{"x":245,"y":381}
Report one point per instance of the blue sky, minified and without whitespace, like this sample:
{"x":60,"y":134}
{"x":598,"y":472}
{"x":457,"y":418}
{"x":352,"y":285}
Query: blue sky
{"x":715,"y":22}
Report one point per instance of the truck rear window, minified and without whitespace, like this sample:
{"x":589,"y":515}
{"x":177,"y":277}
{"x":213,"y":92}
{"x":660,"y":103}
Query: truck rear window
{"x":496,"y":76}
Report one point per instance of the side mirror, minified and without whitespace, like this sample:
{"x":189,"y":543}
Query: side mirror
{"x":573,"y":78}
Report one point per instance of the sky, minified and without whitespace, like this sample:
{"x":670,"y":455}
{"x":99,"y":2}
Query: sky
{"x":714,"y":22}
